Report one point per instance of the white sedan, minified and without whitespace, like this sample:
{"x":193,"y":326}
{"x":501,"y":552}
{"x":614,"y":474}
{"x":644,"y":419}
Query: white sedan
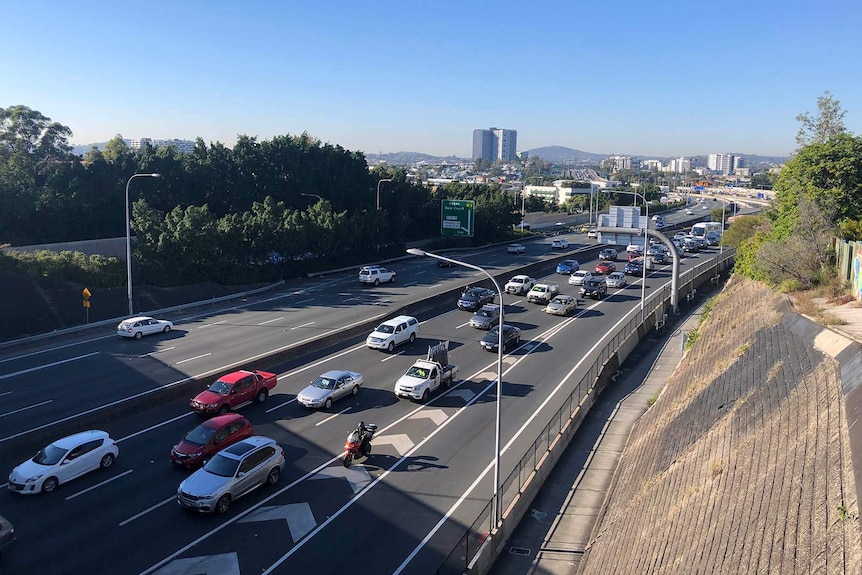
{"x":138,"y":327}
{"x":62,"y":461}
{"x":559,"y":244}
{"x":329,"y":387}
{"x":516,"y":249}
{"x":579,"y":277}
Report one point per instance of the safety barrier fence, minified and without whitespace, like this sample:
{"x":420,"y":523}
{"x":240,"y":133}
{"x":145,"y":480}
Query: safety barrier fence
{"x":572,"y":409}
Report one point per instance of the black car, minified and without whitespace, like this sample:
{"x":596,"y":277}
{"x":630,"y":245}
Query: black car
{"x":595,"y":288}
{"x":475,"y":297}
{"x":511,"y":335}
{"x":634,"y":269}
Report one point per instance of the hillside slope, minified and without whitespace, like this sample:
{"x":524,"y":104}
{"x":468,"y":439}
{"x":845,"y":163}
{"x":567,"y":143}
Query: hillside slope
{"x":743,"y":464}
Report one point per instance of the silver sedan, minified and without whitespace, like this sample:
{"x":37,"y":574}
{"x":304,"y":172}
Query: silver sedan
{"x":562,"y":305}
{"x":329,"y":387}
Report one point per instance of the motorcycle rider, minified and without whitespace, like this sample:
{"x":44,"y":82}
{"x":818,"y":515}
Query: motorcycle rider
{"x":365,"y":434}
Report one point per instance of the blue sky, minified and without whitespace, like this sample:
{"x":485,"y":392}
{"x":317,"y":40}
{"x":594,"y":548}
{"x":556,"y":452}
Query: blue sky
{"x":663,"y":78}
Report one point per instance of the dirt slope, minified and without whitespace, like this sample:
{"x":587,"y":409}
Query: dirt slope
{"x":743,"y":464}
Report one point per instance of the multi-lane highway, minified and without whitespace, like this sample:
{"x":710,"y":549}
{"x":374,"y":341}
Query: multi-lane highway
{"x":401,"y":510}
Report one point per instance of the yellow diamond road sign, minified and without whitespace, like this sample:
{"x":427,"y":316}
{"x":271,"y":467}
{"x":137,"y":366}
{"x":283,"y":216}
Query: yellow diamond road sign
{"x":86,"y":293}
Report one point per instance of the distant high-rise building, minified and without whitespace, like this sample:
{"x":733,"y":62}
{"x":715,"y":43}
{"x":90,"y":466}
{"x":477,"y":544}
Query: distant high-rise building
{"x":617,"y":163}
{"x":495,"y":144}
{"x":721,"y":163}
{"x":679,"y":165}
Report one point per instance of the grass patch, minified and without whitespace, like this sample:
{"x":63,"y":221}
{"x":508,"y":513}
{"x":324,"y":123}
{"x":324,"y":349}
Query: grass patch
{"x":651,"y":401}
{"x":717,"y":468}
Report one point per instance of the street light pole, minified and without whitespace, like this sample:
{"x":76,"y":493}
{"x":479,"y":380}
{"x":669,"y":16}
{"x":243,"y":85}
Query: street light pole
{"x":320,"y":199}
{"x":378,"y":190}
{"x":129,"y":238}
{"x":644,"y":257}
{"x":496,"y":511}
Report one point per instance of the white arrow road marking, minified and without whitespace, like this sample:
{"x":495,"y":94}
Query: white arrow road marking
{"x":438,"y":416}
{"x":356,"y":475}
{"x":464,"y":394}
{"x":221,"y":564}
{"x":299,"y":518}
{"x":399,"y":441}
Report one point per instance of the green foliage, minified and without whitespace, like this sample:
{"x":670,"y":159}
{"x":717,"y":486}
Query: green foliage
{"x":828,"y":123}
{"x":746,"y":257}
{"x":651,"y":401}
{"x":744,"y":227}
{"x":92,"y":271}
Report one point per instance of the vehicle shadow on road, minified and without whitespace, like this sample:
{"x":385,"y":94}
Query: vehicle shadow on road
{"x":382,"y":462}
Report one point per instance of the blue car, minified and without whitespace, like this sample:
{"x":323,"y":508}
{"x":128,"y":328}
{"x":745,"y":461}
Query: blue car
{"x":568,"y":267}
{"x":634,"y":268}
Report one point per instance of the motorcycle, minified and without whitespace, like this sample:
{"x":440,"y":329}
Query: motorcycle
{"x":358,"y":443}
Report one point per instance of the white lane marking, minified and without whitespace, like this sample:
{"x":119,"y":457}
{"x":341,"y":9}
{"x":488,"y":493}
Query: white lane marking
{"x":409,"y":415}
{"x":193,"y":358}
{"x":304,"y":301}
{"x":333,"y":416}
{"x":394,"y":355}
{"x":47,"y":365}
{"x":432,"y":286}
{"x":410,"y":284}
{"x":157,"y":351}
{"x":211,"y":324}
{"x":355,"y":298}
{"x":462,"y":325}
{"x":147,"y":510}
{"x":271,"y":320}
{"x":280,"y":405}
{"x":25,"y":408}
{"x":5,"y":393}
{"x":521,"y":430}
{"x":87,"y":490}
{"x":303,"y":325}
{"x":156,"y":426}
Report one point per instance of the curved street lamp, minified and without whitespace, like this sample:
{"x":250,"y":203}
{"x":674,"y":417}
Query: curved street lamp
{"x":378,"y":190}
{"x":496,"y":512}
{"x":129,"y":240}
{"x":319,"y":198}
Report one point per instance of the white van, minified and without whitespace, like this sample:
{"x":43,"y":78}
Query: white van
{"x":394,"y":332}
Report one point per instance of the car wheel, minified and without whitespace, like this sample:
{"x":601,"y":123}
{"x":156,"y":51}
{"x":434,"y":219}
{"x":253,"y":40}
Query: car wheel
{"x":424,"y":396}
{"x":328,"y":403}
{"x":167,"y":329}
{"x":392,"y":279}
{"x":274,"y":476}
{"x":222,"y":504}
{"x":391,"y":346}
{"x":262,"y":395}
{"x":224,"y":409}
{"x":107,"y":460}
{"x":138,"y":335}
{"x":412,"y":337}
{"x":376,"y":281}
{"x":50,"y":485}
{"x":355,"y":389}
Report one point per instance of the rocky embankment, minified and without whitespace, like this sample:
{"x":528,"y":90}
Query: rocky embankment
{"x":743,"y":464}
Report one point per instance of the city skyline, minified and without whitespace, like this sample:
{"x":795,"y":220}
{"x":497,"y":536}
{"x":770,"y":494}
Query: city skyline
{"x":648,"y":80}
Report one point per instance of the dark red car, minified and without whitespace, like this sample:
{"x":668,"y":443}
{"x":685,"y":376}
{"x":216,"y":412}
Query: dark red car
{"x":210,"y":437}
{"x":605,"y":267}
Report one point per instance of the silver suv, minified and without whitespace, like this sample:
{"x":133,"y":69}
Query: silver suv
{"x":231,"y":473}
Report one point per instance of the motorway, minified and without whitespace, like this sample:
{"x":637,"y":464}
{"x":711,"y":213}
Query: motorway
{"x":400,"y":511}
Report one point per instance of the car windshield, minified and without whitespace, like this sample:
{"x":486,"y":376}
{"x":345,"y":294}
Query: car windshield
{"x":484,"y":313}
{"x":200,"y":435}
{"x":383,"y":328}
{"x":222,"y":466}
{"x":560,"y":300}
{"x":517,"y":280}
{"x":50,"y":455}
{"x":220,"y":387}
{"x":580,"y":274}
{"x":419,"y":372}
{"x":323,"y":383}
{"x":540,"y":289}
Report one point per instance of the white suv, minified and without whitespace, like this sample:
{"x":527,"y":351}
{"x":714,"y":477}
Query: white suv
{"x":376,"y":275}
{"x":394,"y":332}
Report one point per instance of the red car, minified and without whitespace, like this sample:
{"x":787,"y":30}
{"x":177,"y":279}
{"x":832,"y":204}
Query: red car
{"x":232,"y":390}
{"x":208,"y":438}
{"x":605,"y":267}
{"x":635,"y":255}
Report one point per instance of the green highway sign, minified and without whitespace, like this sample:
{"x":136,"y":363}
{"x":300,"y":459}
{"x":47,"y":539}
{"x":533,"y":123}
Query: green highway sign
{"x":457,"y":217}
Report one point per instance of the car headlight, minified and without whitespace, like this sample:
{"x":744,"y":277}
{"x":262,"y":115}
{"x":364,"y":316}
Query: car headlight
{"x":34,"y":478}
{"x":211,"y":405}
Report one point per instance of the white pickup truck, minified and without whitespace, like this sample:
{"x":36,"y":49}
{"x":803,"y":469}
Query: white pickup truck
{"x":427,"y":375}
{"x":520,"y":285}
{"x":543,"y":293}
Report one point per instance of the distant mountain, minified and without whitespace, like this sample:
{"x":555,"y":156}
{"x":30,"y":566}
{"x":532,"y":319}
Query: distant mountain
{"x":564,"y":154}
{"x":82,"y":150}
